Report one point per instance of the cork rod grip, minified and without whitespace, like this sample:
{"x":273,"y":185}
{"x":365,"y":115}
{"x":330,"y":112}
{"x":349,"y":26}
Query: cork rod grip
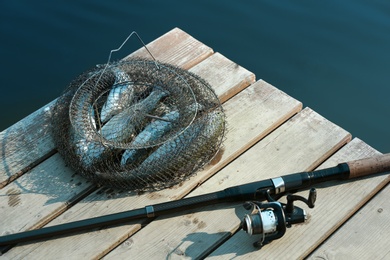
{"x":367,"y":166}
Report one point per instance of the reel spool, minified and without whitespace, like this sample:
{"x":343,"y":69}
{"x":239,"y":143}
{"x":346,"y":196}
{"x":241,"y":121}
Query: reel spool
{"x":270,"y":219}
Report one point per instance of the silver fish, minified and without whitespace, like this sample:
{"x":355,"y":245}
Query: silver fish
{"x":194,"y":142}
{"x":119,"y":97}
{"x":85,"y":148}
{"x":163,"y":163}
{"x":122,"y":126}
{"x":89,"y":151}
{"x":119,"y":128}
{"x":152,"y":132}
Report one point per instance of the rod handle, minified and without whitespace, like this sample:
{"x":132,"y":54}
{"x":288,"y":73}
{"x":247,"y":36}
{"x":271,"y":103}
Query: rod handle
{"x":367,"y":166}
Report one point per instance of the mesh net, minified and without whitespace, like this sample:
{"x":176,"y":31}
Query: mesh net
{"x":138,"y":124}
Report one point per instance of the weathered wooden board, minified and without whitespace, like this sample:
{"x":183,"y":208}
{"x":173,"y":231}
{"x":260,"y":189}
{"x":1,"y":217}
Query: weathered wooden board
{"x":39,"y":196}
{"x":174,"y":46}
{"x":365,"y":235}
{"x":300,"y":144}
{"x":336,"y":201}
{"x":28,"y":142}
{"x":261,"y":97}
{"x":25,"y":144}
{"x":226,"y":73}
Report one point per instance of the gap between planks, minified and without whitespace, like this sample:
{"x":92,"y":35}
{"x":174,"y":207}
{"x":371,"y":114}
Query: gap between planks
{"x":261,"y":97}
{"x":364,"y":236}
{"x":304,"y":138}
{"x":336,"y":201}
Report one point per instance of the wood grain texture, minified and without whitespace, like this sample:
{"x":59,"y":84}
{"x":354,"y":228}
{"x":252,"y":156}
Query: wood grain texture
{"x":336,"y":202}
{"x":176,"y":45}
{"x":25,"y":144}
{"x":29,"y":142}
{"x":261,"y":97}
{"x":230,"y":76}
{"x":297,"y":145}
{"x":39,"y":196}
{"x":364,"y":236}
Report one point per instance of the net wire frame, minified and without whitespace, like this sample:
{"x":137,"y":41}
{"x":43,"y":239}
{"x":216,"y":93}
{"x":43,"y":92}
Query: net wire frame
{"x":138,"y":124}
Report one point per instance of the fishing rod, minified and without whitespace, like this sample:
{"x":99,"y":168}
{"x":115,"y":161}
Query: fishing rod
{"x":268,"y":219}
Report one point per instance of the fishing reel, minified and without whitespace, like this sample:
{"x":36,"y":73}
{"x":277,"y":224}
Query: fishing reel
{"x":270,"y":219}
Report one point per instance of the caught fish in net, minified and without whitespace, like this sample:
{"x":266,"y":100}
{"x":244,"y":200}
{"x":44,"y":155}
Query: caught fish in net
{"x":138,"y":124}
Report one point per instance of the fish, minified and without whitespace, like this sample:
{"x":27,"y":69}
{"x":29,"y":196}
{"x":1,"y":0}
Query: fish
{"x":181,"y":155}
{"x":89,"y":151}
{"x":151,"y":133}
{"x":167,"y":162}
{"x":119,"y":97}
{"x":122,"y":127}
{"x":119,"y":128}
{"x":209,"y":130}
{"x":86,"y":148}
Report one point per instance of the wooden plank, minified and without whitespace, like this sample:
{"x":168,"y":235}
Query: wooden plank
{"x":28,"y":142}
{"x":336,"y":202}
{"x":365,"y":235}
{"x":173,"y":46}
{"x":299,"y":144}
{"x":227,"y":73}
{"x":25,"y":144}
{"x":269,"y":108}
{"x":39,"y":196}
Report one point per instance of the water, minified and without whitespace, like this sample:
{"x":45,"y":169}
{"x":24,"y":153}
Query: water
{"x":334,"y":56}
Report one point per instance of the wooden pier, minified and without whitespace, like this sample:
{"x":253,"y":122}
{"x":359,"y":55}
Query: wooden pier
{"x":269,"y":134}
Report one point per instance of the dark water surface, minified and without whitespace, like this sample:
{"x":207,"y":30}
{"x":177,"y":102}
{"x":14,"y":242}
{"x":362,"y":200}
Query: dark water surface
{"x":334,"y":56}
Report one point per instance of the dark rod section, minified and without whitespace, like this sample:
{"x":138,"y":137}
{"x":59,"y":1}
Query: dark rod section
{"x":304,"y":180}
{"x":72,"y":227}
{"x":245,"y":192}
{"x":229,"y":194}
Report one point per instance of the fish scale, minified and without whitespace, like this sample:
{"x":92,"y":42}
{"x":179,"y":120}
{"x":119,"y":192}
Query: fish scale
{"x":151,"y":133}
{"x":119,"y":97}
{"x":122,"y":126}
{"x":119,"y":128}
{"x":171,"y":159}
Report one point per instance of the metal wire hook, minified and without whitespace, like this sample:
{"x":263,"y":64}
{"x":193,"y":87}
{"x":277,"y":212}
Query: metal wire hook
{"x":109,"y":59}
{"x":120,"y":47}
{"x":128,"y":37}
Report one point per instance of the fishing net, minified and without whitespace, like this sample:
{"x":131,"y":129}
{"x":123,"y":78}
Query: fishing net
{"x":138,"y":124}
